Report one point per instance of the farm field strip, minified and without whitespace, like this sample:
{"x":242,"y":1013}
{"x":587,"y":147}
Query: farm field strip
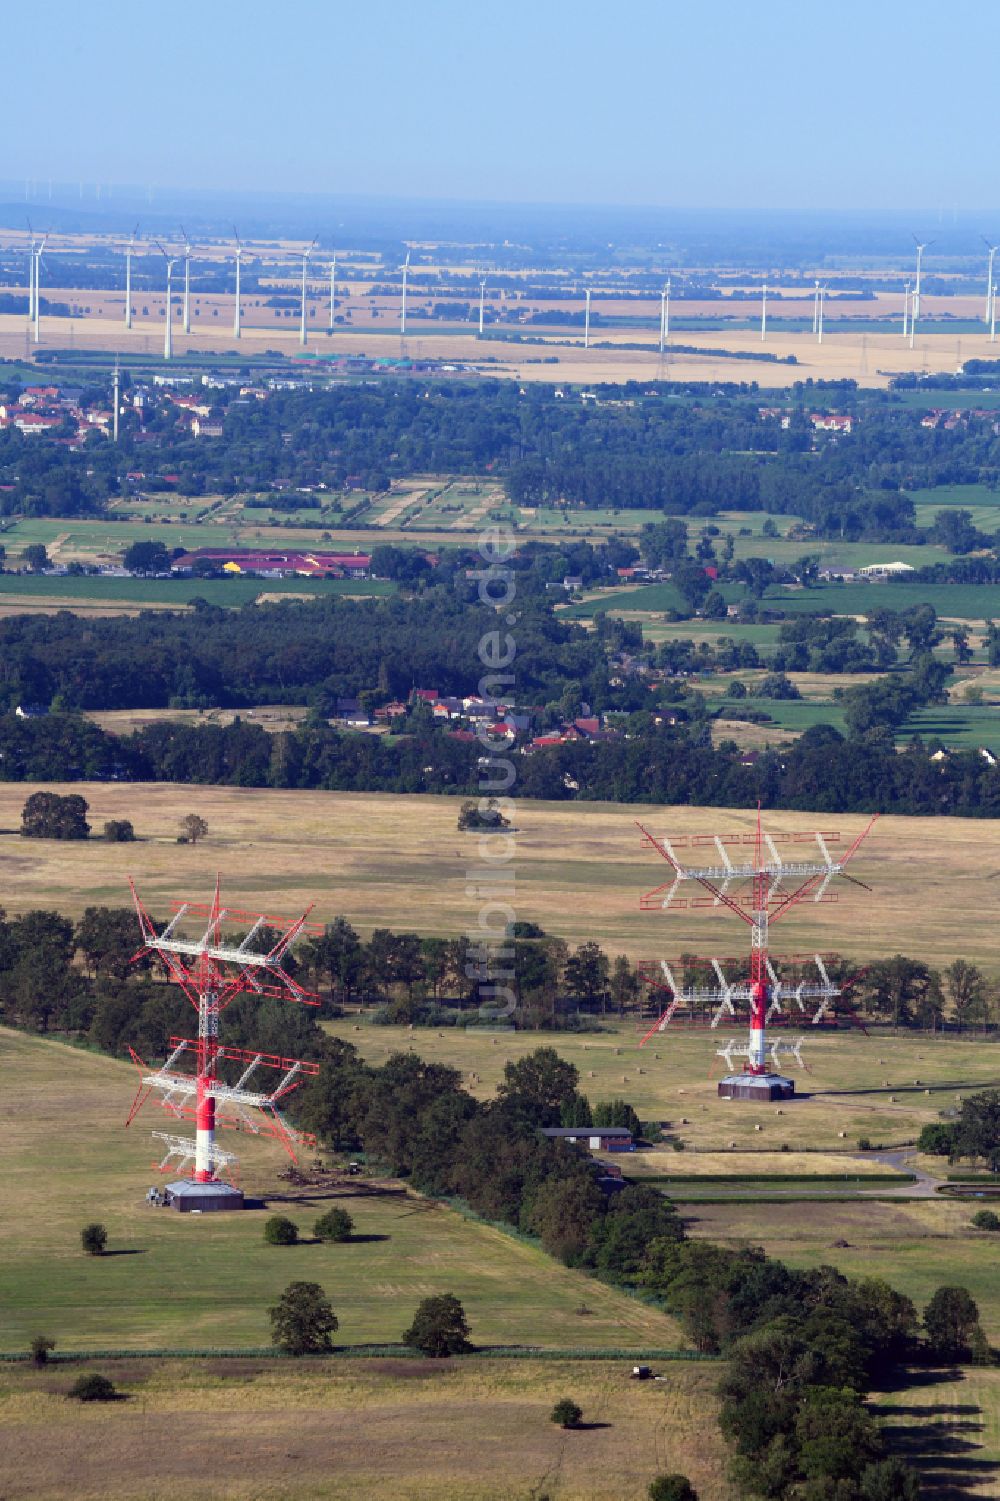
{"x":579,"y":867}
{"x":427,"y":1430}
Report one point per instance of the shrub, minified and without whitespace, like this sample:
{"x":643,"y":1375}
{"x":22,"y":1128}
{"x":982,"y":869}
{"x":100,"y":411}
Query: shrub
{"x":937,"y":1139}
{"x":40,"y":1347}
{"x":864,"y":1144}
{"x":439,"y":1327}
{"x":672,"y":1488}
{"x":119,"y":831}
{"x":94,"y":1239}
{"x":93,"y":1388}
{"x":566,"y":1413}
{"x":986,"y":1219}
{"x":279,"y":1230}
{"x":303,"y":1321}
{"x":336,"y":1224}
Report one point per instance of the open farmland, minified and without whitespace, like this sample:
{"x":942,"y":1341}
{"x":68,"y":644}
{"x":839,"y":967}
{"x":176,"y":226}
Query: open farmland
{"x":855,"y":1085}
{"x":93,"y":593}
{"x":390,"y":860}
{"x":178,"y":1282}
{"x":469,"y":1430}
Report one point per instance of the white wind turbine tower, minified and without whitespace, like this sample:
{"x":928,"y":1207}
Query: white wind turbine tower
{"x":820,"y":302}
{"x":816,"y":309}
{"x":993,"y":313}
{"x":38,"y":278}
{"x":482,"y":305}
{"x":129,"y":252}
{"x":402,"y":300}
{"x":992,"y":249}
{"x":32,"y":247}
{"x":168,"y":331}
{"x":333,"y":290}
{"x":763,"y":312}
{"x":906,"y":310}
{"x":187,"y":281}
{"x":236,"y":307}
{"x":664,"y":314}
{"x":303,"y":331}
{"x":586,"y":319}
{"x":916,"y":287}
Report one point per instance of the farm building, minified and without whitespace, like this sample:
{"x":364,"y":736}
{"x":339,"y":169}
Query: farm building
{"x":306,"y":564}
{"x":883,"y":570}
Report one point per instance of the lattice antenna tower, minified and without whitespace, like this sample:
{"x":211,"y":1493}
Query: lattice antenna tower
{"x":759,"y":887}
{"x":213,"y":968}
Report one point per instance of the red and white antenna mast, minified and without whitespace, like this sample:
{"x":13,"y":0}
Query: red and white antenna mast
{"x":209,"y":951}
{"x":759,"y":887}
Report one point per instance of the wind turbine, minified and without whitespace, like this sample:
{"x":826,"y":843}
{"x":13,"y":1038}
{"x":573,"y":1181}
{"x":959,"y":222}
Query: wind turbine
{"x":665,"y":314}
{"x":916,"y":289}
{"x":816,"y":309}
{"x":906,"y":310}
{"x":402,"y":301}
{"x":168,"y":332}
{"x":482,"y":305}
{"x":38,"y":248}
{"x":586,"y":319}
{"x":236,"y":308}
{"x":303,"y":331}
{"x":993,"y":313}
{"x":187,"y":281}
{"x":129,"y":252}
{"x":333,"y":289}
{"x":820,"y":301}
{"x":32,"y":246}
{"x":763,"y":312}
{"x":989,"y":277}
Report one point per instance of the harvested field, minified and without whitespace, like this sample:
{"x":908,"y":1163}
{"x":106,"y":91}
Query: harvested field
{"x":470,"y":1430}
{"x":386,"y":860}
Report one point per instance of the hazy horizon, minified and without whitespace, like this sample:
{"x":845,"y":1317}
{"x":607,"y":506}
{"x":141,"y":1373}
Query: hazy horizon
{"x":764,"y":109}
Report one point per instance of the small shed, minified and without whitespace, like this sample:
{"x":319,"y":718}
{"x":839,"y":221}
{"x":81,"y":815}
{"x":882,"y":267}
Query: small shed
{"x":756,"y":1087}
{"x":207,"y":1198}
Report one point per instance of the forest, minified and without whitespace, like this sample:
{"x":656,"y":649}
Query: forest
{"x":656,"y":448}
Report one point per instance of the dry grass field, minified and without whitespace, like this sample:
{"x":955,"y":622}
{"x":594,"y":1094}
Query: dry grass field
{"x":386,"y":860}
{"x":871,"y":358}
{"x":947,"y":1424}
{"x":475,"y":1430}
{"x":855,"y":1085}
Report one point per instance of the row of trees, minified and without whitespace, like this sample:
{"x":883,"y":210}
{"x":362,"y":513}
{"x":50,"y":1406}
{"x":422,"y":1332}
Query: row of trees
{"x":80,"y":979}
{"x":665,"y":764}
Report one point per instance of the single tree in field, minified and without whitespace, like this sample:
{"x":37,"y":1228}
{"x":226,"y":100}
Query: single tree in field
{"x":119,"y":831}
{"x":279,"y":1230}
{"x":35,"y":556}
{"x":950,"y":1319}
{"x":335,"y":1225}
{"x":40,"y":1347}
{"x":194,"y":827}
{"x":566,"y":1413}
{"x":439,"y":1327}
{"x":303,"y":1320}
{"x":94,"y":1238}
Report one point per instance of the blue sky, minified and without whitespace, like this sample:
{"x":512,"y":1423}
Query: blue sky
{"x":762,"y":103}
